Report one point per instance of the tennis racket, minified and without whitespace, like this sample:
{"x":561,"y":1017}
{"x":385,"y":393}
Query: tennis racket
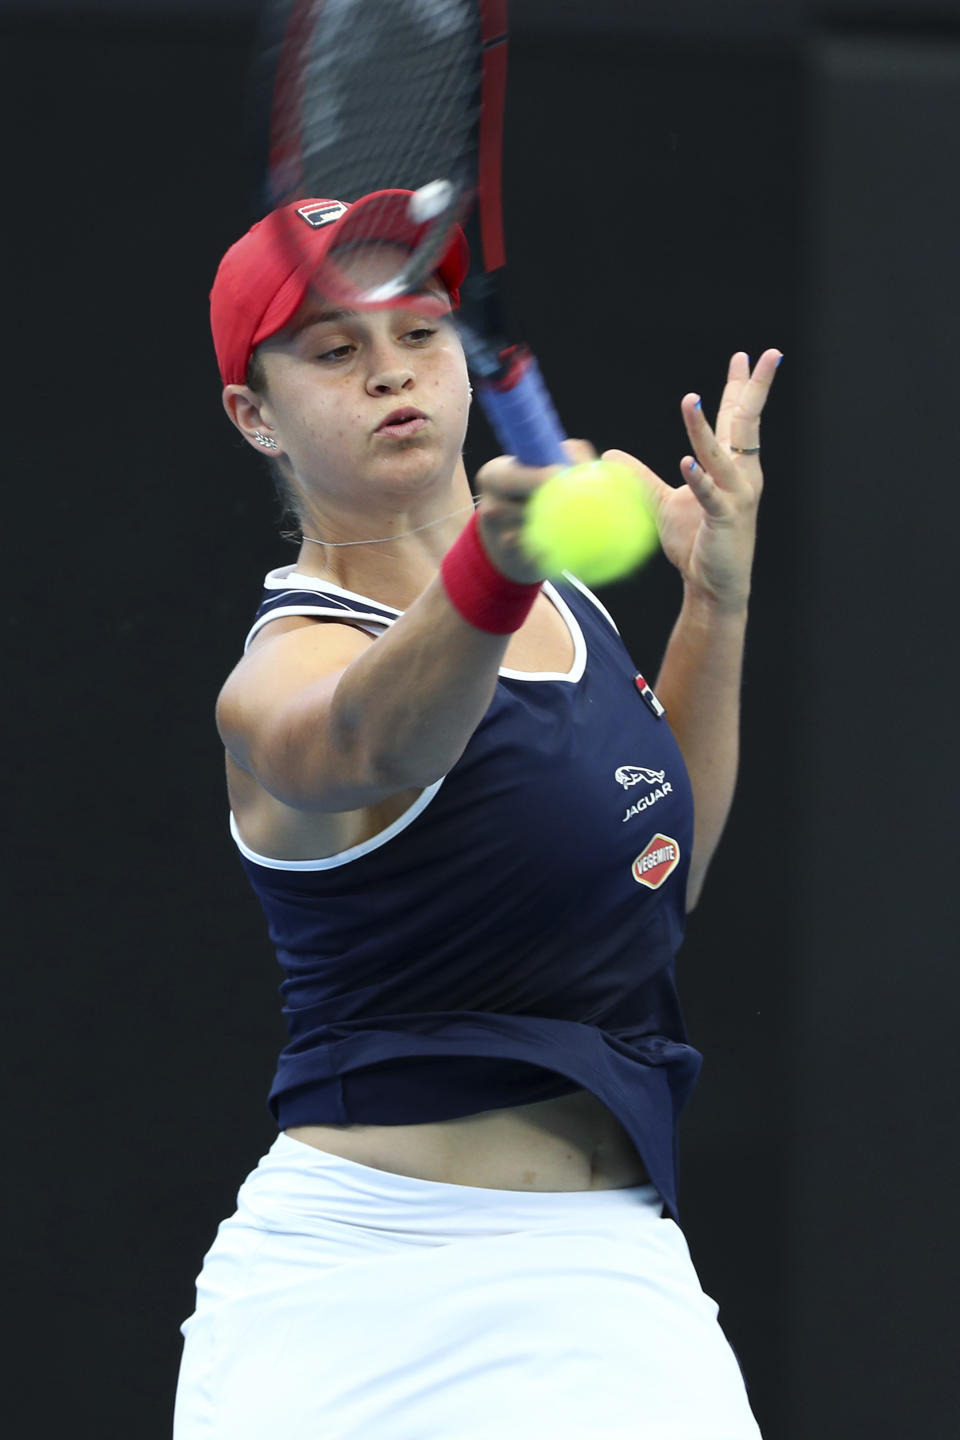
{"x":371,"y":95}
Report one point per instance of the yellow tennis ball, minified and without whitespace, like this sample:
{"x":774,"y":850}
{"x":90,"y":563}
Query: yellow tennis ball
{"x":593,"y":520}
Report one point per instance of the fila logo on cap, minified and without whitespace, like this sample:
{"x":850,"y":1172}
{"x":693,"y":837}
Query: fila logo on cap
{"x":321,"y":212}
{"x":660,"y":859}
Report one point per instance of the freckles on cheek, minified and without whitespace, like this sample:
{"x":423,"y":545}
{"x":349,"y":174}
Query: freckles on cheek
{"x":334,"y":431}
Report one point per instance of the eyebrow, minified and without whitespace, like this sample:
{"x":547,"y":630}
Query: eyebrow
{"x":331,"y":317}
{"x":325,"y":317}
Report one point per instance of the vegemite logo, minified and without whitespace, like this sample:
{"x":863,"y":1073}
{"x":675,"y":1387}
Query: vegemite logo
{"x":321,"y":212}
{"x":660,"y":859}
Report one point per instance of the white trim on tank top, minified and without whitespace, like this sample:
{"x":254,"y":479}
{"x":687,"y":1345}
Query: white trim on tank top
{"x":288,"y":577}
{"x":343,"y":857}
{"x":579,"y":585}
{"x":279,"y":579}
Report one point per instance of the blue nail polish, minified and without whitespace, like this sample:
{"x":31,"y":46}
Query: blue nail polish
{"x":780,"y":361}
{"x":699,"y":405}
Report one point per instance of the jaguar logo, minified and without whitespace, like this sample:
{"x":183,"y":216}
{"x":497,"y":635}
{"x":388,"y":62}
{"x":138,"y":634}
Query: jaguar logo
{"x":628,"y":775}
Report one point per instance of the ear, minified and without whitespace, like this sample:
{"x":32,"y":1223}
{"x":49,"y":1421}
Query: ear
{"x":248,"y":411}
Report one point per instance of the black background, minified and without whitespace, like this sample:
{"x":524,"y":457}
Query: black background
{"x":717,"y":178}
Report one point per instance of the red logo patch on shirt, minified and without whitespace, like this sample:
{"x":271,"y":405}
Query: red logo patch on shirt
{"x":660,"y":859}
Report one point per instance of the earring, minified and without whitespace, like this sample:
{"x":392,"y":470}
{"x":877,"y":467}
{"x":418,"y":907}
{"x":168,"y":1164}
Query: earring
{"x":265,"y":440}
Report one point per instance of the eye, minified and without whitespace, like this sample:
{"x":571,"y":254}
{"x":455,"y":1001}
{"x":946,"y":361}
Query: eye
{"x":421,"y":334}
{"x":339,"y":352}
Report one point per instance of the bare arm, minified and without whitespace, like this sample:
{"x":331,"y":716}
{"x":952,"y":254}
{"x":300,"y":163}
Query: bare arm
{"x":335,"y":721}
{"x":699,"y":683}
{"x":327,"y":719}
{"x":708,"y":530}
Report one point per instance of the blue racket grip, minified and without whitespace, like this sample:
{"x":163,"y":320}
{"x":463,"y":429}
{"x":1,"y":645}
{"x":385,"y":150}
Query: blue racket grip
{"x":522,"y":415}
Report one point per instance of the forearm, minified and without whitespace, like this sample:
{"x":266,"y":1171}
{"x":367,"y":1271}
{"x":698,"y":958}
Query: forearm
{"x":699,"y":683}
{"x":414,"y":699}
{"x":434,"y":674}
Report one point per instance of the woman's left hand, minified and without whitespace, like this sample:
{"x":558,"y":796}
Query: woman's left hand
{"x":708,"y":525}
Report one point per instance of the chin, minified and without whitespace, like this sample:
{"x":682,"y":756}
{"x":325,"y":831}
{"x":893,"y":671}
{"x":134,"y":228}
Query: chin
{"x":415,"y":464}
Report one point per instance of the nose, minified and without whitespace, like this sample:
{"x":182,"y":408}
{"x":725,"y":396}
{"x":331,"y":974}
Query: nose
{"x":387,"y":377}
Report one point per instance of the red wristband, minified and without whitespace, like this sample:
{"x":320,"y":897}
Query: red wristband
{"x":484,"y":596}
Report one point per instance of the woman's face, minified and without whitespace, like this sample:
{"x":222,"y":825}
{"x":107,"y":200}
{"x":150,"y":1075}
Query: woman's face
{"x":337,"y":378}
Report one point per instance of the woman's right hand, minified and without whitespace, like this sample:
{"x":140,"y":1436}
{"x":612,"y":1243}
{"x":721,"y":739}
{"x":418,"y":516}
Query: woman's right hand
{"x":505,"y":486}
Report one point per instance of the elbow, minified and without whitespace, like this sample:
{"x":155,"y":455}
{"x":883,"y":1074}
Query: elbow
{"x":386,"y":764}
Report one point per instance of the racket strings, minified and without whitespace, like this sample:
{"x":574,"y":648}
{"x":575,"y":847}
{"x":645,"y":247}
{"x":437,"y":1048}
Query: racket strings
{"x":375,"y":94}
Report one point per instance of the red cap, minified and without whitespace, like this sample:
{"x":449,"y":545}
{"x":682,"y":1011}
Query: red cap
{"x":262,"y":279}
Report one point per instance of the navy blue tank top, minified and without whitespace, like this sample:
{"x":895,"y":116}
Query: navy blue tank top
{"x":511,"y":937}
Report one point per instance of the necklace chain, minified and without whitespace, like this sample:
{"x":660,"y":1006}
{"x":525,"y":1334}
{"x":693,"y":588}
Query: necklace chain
{"x":382,"y":539}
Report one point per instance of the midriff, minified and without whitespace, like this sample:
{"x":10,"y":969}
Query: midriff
{"x":573,"y":1142}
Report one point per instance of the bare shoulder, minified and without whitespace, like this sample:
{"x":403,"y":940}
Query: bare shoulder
{"x":284,"y":656}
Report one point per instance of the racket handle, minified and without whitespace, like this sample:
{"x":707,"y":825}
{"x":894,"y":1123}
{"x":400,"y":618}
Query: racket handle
{"x":519,"y":408}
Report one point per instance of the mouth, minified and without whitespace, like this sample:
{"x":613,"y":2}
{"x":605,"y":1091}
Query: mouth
{"x":401,"y":423}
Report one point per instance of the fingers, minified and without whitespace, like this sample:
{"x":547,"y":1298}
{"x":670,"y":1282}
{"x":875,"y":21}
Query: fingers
{"x":707,"y":491}
{"x":738,"y":420}
{"x":505,"y":487}
{"x":744,"y":397}
{"x":713,"y":457}
{"x":581,"y":452}
{"x":505,"y":478}
{"x":751,"y":399}
{"x":730,"y":473}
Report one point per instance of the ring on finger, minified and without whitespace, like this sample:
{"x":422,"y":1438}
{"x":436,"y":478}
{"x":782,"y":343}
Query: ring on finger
{"x":750,"y":450}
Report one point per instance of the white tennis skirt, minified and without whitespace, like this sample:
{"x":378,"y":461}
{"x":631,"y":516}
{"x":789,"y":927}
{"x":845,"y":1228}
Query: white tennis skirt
{"x":341,"y":1302}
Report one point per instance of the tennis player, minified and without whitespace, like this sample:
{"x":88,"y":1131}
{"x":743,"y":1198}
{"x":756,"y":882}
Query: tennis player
{"x":470,"y":823}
